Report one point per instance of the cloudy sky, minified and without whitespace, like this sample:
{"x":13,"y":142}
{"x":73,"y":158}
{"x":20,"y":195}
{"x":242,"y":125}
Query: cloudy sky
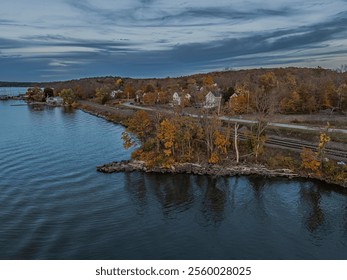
{"x":64,"y":39}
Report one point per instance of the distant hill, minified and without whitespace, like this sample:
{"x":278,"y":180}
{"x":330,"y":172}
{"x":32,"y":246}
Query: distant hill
{"x":18,"y":84}
{"x":315,"y":78}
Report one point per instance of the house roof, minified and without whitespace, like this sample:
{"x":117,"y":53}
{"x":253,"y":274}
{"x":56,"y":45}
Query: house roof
{"x":216,"y":94}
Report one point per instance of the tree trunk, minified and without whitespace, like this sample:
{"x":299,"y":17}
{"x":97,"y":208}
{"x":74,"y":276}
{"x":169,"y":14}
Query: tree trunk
{"x":236,"y":142}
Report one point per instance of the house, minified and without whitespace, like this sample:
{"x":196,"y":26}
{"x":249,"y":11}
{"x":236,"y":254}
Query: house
{"x":177,"y":100}
{"x":55,"y":101}
{"x":213,"y":100}
{"x":115,"y":93}
{"x":233,"y":95}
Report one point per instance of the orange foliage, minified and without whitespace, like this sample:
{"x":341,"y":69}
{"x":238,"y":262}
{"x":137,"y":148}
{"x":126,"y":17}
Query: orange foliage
{"x":309,"y":161}
{"x":213,"y":158}
{"x":166,"y":135}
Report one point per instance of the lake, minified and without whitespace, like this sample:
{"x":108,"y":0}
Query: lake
{"x":54,"y":205}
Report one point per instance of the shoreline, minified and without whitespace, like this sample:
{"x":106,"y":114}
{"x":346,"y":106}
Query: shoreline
{"x":198,"y":169}
{"x":209,"y":170}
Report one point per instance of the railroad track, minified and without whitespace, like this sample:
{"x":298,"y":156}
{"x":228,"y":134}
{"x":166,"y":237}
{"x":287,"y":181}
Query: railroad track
{"x":294,"y":144}
{"x":299,"y":145}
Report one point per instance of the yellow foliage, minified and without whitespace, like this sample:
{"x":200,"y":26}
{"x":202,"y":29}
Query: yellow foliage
{"x":102,"y":95}
{"x":323,"y":140}
{"x":140,"y":125}
{"x":221,"y":142}
{"x":68,"y":96}
{"x":292,"y":103}
{"x":238,"y":104}
{"x":267,"y":81}
{"x":166,"y":135}
{"x":213,"y":158}
{"x":127,"y":141}
{"x":309,"y":161}
{"x":208,"y":80}
{"x":167,"y":152}
{"x":150,"y":98}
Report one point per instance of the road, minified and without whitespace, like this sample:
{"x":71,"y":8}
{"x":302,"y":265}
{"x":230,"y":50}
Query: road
{"x":242,"y":121}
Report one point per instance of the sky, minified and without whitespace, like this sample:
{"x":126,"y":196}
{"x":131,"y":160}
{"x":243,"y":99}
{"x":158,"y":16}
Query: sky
{"x":55,"y":40}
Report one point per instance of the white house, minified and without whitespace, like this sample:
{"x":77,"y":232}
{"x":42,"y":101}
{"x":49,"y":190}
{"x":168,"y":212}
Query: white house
{"x":176,"y":98}
{"x":55,"y":101}
{"x":234,"y":95}
{"x":115,"y":93}
{"x":213,"y":100}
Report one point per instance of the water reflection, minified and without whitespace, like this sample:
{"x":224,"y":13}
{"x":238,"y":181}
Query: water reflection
{"x":258,"y":186}
{"x":172,"y":192}
{"x":262,"y":218}
{"x":36,"y":107}
{"x":68,"y":110}
{"x":311,"y":198}
{"x":179,"y":193}
{"x":136,"y":188}
{"x":214,"y":200}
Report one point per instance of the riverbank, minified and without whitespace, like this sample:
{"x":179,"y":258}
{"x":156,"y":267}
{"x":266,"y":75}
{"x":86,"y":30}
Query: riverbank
{"x":209,"y":170}
{"x":196,"y":169}
{"x":114,"y":115}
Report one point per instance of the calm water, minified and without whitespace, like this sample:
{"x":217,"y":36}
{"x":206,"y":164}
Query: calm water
{"x":54,"y":205}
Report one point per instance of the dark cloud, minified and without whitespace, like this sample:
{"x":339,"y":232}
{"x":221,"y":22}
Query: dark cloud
{"x":157,"y":41}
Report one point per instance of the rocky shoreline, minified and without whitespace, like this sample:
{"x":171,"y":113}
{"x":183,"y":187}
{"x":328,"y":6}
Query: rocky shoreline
{"x":196,"y":169}
{"x":209,"y":170}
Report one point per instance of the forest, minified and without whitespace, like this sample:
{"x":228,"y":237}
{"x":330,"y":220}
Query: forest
{"x":266,"y":91}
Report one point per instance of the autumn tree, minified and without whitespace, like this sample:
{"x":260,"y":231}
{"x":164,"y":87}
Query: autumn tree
{"x":309,"y":160}
{"x":129,"y":91}
{"x":35,"y":94}
{"x":221,"y":145}
{"x":258,"y":137}
{"x":163,"y":97}
{"x":324,"y":139}
{"x":166,"y":135}
{"x":49,"y":92}
{"x":68,"y":96}
{"x":328,"y":96}
{"x":191,"y":85}
{"x":119,"y":83}
{"x":238,"y":103}
{"x":207,"y":81}
{"x":128,"y":141}
{"x":342,"y":97}
{"x":150,"y":98}
{"x":149,"y":88}
{"x":78,"y":91}
{"x":102,"y":95}
{"x":292,"y":103}
{"x":265,"y":97}
{"x":187,"y":132}
{"x":140,"y":125}
{"x":308,"y":100}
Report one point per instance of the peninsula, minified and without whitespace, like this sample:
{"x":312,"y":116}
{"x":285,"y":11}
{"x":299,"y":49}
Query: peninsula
{"x":273,"y":122}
